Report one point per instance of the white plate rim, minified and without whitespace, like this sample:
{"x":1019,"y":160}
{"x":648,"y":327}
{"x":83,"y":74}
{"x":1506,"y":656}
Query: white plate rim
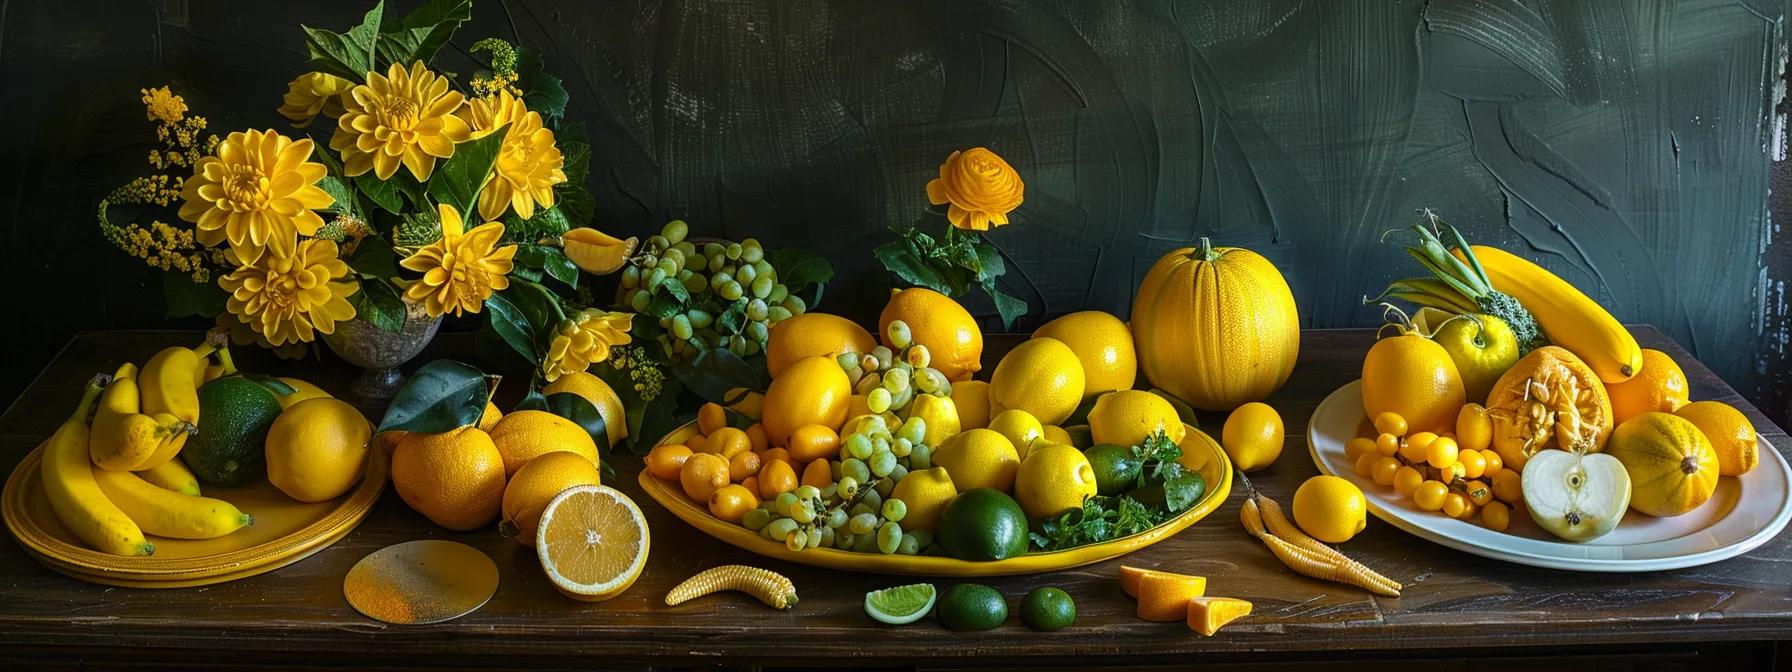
{"x":1675,"y":553}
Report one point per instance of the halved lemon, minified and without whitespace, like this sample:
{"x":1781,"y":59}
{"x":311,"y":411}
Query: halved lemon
{"x":592,"y":541}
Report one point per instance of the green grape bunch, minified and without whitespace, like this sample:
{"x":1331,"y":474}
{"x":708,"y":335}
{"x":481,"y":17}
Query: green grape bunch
{"x":891,"y":379}
{"x":856,"y":512}
{"x":708,"y":296}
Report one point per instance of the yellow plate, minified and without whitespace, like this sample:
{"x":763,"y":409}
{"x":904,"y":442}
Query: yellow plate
{"x":285,"y":531}
{"x":1205,"y":456}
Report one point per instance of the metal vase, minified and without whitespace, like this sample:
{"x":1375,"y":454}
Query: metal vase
{"x":379,"y":353}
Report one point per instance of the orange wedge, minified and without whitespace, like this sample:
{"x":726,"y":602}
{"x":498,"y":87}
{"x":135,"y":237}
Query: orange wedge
{"x":1131,"y":576}
{"x":592,"y":541}
{"x":1207,"y":615}
{"x":1164,"y":596}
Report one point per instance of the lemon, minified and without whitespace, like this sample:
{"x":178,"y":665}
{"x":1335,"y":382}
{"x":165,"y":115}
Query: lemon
{"x":979,"y":458}
{"x":1330,"y":509}
{"x":1056,"y":434}
{"x":941,"y":416}
{"x":926,"y":492}
{"x":811,"y":391}
{"x":1019,"y":427}
{"x":534,"y":485}
{"x":1053,"y":479}
{"x":812,"y":334}
{"x":301,"y":391}
{"x":523,"y":435}
{"x":1041,"y":376}
{"x":1252,"y":436}
{"x":317,"y":448}
{"x":972,"y":399}
{"x":1128,"y":417}
{"x":599,"y":393}
{"x":936,"y":321}
{"x":1102,"y":343}
{"x":592,"y":542}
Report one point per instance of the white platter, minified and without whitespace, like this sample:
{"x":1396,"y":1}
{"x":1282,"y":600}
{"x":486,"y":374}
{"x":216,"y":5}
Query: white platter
{"x":1742,"y":514}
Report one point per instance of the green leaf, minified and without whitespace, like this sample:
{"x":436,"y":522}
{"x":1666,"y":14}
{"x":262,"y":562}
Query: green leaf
{"x":579,"y":410}
{"x":715,"y":371}
{"x":374,"y":257}
{"x":458,"y":180}
{"x":799,"y":268}
{"x":185,"y":297}
{"x":575,"y":151}
{"x":383,"y":193}
{"x":546,"y":223}
{"x":379,"y":304}
{"x":422,"y":32}
{"x":559,"y":267}
{"x":733,"y":319}
{"x":1183,"y":490}
{"x":575,"y":203}
{"x":278,"y":387}
{"x":909,"y":268}
{"x":350,"y":55}
{"x":539,"y":305}
{"x":1007,"y":305}
{"x":513,"y":326}
{"x":669,"y":299}
{"x":542,"y":92}
{"x":990,"y":266}
{"x":440,"y":396}
{"x":338,"y":190}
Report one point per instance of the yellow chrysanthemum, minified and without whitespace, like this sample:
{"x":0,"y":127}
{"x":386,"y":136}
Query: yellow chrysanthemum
{"x":529,"y":163}
{"x":980,"y":187}
{"x":461,"y":270}
{"x":290,"y":298}
{"x":311,"y":94}
{"x":162,"y":105}
{"x":404,"y":116}
{"x":258,"y":192}
{"x":585,"y":339}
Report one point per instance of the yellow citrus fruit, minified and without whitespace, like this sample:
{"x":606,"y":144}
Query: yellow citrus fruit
{"x":750,"y":403}
{"x":1104,"y":346}
{"x":523,"y":435}
{"x":1132,"y":577}
{"x":812,"y":335}
{"x":1413,"y":377}
{"x":1197,"y":448}
{"x":1482,"y":347}
{"x":936,"y":321}
{"x":776,"y":477}
{"x":972,"y":399}
{"x":940,"y":414}
{"x":535,"y":485}
{"x":702,"y":475}
{"x":1731,"y":435}
{"x":1053,"y":479}
{"x":1253,"y":436}
{"x":666,"y":460}
{"x":979,"y":458}
{"x":1019,"y":427}
{"x":732,"y":502}
{"x":600,"y":394}
{"x":926,"y":492}
{"x":811,"y":391}
{"x":301,"y":391}
{"x":490,"y":417}
{"x":813,"y":442}
{"x":317,"y":449}
{"x":1164,"y":597}
{"x":1128,"y":417}
{"x":1330,"y":509}
{"x":1661,"y":386}
{"x":456,"y":478}
{"x":1041,"y":376}
{"x":592,"y":541}
{"x":1056,"y":434}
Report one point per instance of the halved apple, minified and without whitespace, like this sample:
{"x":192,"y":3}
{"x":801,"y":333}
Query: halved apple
{"x":1576,"y":497}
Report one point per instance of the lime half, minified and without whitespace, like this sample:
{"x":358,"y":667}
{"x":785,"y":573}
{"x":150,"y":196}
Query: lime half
{"x":900,"y":605}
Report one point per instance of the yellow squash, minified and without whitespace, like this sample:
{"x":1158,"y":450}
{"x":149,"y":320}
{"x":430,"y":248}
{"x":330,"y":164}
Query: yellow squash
{"x":1672,"y":466}
{"x":1568,"y":317}
{"x":1215,"y":326}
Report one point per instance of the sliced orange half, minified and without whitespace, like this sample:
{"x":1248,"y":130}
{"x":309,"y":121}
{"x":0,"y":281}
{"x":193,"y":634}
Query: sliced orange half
{"x":1207,"y":615}
{"x":1131,"y":576}
{"x":592,"y":541}
{"x":1164,"y":597}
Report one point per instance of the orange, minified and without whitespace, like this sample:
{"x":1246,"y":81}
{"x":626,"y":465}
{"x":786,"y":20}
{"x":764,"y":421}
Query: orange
{"x":813,"y":334}
{"x":742,"y":465}
{"x":523,"y":435}
{"x":818,"y":474}
{"x":1207,"y":615}
{"x":776,"y":454}
{"x":535,"y":485}
{"x":1731,"y":435}
{"x":811,"y":391}
{"x":711,"y":417}
{"x":813,"y":442}
{"x":776,"y":477}
{"x":456,"y":478}
{"x":1661,"y":386}
{"x":936,"y":321}
{"x":1103,"y":344}
{"x":601,"y":396}
{"x":1131,"y":577}
{"x":1164,"y":596}
{"x":1414,"y":377}
{"x":665,"y":460}
{"x":728,"y":442}
{"x":703,"y":474}
{"x":593,"y":542}
{"x":732,"y":502}
{"x":490,"y":418}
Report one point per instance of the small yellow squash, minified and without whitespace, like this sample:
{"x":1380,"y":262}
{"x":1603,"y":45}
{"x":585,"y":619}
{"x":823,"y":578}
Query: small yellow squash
{"x":1215,"y":326}
{"x":1672,"y":466}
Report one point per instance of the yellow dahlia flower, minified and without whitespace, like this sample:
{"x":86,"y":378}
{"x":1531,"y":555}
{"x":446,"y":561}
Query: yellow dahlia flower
{"x":258,"y":192}
{"x":585,"y":339}
{"x":311,"y":94}
{"x":289,"y":298}
{"x":400,"y":117}
{"x":981,"y":188}
{"x":529,"y":163}
{"x":461,"y":270}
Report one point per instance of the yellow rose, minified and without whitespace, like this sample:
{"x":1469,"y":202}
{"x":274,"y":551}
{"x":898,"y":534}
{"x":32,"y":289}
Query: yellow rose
{"x":981,"y":188}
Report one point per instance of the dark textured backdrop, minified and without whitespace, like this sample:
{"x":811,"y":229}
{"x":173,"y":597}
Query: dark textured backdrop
{"x":1626,"y":145}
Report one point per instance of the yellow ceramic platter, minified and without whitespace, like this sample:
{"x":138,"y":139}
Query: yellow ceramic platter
{"x":285,"y":531}
{"x":1203,"y":456}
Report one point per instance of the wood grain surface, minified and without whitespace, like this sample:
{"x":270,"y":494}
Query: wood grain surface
{"x":1454,"y":602}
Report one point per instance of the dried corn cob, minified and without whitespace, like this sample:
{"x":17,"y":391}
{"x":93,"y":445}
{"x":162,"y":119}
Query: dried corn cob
{"x":769,"y":586}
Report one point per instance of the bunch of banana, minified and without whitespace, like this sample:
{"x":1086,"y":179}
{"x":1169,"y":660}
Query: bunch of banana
{"x":75,"y":494}
{"x":124,"y":437}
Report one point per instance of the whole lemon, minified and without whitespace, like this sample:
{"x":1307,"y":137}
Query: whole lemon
{"x":301,"y":391}
{"x":535,"y":485}
{"x":811,"y":391}
{"x":1019,"y":427}
{"x":1053,"y":479}
{"x":813,"y":334}
{"x":455,"y":478}
{"x":1330,"y":509}
{"x":972,"y":399}
{"x":979,"y":458}
{"x":936,"y":321}
{"x":523,"y":435}
{"x":1041,"y":376}
{"x":317,"y":449}
{"x":1128,"y":417}
{"x":601,"y":395}
{"x":1104,"y":346}
{"x":1056,"y":434}
{"x":926,"y":492}
{"x":1253,"y":436}
{"x":941,"y":416}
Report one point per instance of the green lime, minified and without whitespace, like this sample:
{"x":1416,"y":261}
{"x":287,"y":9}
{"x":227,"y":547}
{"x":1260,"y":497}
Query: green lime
{"x":900,"y":605}
{"x":1048,"y":609}
{"x":972,"y":606}
{"x":982,"y":524}
{"x":1116,"y":468}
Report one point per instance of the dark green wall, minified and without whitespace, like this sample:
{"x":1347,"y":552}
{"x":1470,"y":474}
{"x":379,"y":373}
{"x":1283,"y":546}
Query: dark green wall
{"x":1626,"y":145}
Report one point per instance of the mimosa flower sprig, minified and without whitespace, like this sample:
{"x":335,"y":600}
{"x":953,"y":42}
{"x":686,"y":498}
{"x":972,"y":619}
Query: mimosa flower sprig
{"x":979,"y":189}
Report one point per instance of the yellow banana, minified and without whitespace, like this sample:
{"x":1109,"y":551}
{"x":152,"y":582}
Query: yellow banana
{"x":75,"y":496}
{"x":596,"y":252}
{"x":123,"y":438}
{"x":172,"y":475}
{"x":166,"y":513}
{"x":170,"y":384}
{"x":1568,"y":317}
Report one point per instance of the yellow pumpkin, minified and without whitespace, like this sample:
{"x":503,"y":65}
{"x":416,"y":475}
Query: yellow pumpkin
{"x":1215,"y":326}
{"x":1672,"y":467}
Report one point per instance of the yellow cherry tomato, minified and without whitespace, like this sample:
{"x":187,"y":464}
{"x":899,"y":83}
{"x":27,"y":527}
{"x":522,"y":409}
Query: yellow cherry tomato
{"x":1473,"y":463}
{"x":1494,"y":463}
{"x":1389,"y":422}
{"x":1430,"y":495}
{"x":1387,"y":444}
{"x":1442,"y":452}
{"x":1407,"y":481}
{"x":1478,"y":492}
{"x":1365,"y":465}
{"x":1474,"y":430}
{"x":1358,"y":447}
{"x":1455,"y":504}
{"x":1417,"y":446}
{"x":1383,"y":470}
{"x":1496,"y":516}
{"x":1507,"y":487}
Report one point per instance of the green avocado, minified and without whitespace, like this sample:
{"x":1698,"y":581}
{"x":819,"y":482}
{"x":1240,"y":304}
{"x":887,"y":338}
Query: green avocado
{"x":234,"y":416}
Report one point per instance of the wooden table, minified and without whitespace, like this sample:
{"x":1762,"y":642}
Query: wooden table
{"x":1456,"y":605}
